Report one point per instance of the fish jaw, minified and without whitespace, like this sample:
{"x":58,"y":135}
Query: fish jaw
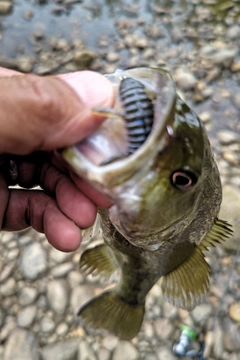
{"x":109,"y":140}
{"x":147,"y":209}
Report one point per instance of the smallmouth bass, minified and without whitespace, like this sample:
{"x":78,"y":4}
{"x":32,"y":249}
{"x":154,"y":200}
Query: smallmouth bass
{"x":152,"y":157}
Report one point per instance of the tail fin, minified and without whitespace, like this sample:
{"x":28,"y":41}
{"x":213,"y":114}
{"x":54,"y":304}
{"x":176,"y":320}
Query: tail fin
{"x":109,"y":312}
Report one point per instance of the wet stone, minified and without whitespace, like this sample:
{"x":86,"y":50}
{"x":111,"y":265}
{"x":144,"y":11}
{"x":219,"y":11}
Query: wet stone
{"x":125,"y":351}
{"x":33,"y":261}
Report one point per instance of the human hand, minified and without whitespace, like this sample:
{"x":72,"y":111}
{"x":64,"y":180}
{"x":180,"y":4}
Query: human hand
{"x":39,"y":115}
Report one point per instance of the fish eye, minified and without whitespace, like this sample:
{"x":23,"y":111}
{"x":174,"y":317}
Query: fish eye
{"x":183,"y":180}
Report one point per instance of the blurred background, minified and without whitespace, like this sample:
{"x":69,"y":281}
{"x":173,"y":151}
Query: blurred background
{"x":41,"y":289}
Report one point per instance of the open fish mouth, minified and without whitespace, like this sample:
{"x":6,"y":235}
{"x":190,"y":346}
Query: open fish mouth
{"x":136,"y":129}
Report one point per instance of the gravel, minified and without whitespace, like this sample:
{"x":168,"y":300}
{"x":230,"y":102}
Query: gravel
{"x":41,"y":288}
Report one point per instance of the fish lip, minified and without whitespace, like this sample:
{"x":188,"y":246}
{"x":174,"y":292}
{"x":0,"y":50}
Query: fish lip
{"x":105,"y":178}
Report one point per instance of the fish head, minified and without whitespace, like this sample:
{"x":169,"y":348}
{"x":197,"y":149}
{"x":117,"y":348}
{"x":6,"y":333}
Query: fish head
{"x":156,"y":191}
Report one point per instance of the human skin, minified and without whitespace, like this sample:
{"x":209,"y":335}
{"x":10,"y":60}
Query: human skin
{"x":38,"y":116}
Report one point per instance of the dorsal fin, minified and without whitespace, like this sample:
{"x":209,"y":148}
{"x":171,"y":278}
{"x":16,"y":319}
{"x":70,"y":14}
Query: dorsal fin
{"x":187,"y":285}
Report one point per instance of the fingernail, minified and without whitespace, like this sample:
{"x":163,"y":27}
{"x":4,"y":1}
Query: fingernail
{"x":93,"y":89}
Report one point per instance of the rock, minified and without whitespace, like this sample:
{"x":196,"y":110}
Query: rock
{"x":125,"y":351}
{"x":6,"y":330}
{"x":57,"y":295}
{"x":33,"y":261}
{"x":47,"y":324}
{"x":5,"y":7}
{"x":8,"y":288}
{"x":79,"y":296}
{"x":218,"y":347}
{"x":205,"y":116}
{"x":104,"y":354}
{"x":7,"y":271}
{"x":85,"y":351}
{"x":26,"y":316}
{"x":141,"y":42}
{"x":20,"y":345}
{"x":58,"y":256}
{"x":236,"y":100}
{"x":234,"y":312}
{"x":163,"y":328}
{"x":164,"y":353}
{"x":62,"y":329}
{"x":27,"y":296}
{"x":231,"y":157}
{"x":235,"y":66}
{"x":83,"y":59}
{"x":222,"y":57}
{"x":230,"y":211}
{"x":201,"y":313}
{"x":25,"y":64}
{"x":62,"y":350}
{"x":110,"y":342}
{"x":185,"y":80}
{"x":227,"y":137}
{"x":231,"y":335}
{"x":112,"y":56}
{"x":62,"y":270}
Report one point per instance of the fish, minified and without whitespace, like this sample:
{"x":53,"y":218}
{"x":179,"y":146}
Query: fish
{"x":166,"y":195}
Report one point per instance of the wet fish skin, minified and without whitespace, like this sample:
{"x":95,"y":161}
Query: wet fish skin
{"x":157,"y":230}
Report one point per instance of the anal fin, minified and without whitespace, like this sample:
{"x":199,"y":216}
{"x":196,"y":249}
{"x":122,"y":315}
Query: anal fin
{"x":99,"y":260}
{"x":109,"y":312}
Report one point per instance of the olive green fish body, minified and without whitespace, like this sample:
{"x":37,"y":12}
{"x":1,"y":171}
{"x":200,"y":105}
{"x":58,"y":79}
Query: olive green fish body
{"x":166,"y":196}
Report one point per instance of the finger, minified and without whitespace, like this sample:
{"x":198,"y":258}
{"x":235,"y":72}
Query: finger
{"x":46,"y":113}
{"x":97,"y":198}
{"x":35,"y":208}
{"x":70,"y":200}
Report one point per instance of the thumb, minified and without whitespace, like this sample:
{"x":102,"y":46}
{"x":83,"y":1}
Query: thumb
{"x":46,"y":113}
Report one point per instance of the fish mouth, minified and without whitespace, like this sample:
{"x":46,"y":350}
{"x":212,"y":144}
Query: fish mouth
{"x":102,"y":159}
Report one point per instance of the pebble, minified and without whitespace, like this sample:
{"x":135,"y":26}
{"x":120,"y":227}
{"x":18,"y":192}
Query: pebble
{"x":79,"y":296}
{"x":58,"y":256}
{"x":85,"y":351}
{"x":5,"y":7}
{"x":164,"y":353}
{"x":21,"y":345}
{"x":61,"y":270}
{"x":33,"y":261}
{"x":163,"y":328}
{"x":8,"y":288}
{"x":112,"y":56}
{"x":185,"y":80}
{"x":110,"y":342}
{"x":236,"y":100}
{"x":104,"y":354}
{"x":227,"y":137}
{"x":230,"y":211}
{"x":26,"y":316}
{"x":234,"y":312}
{"x":27,"y":295}
{"x":83,"y":59}
{"x":201,"y":313}
{"x":7,"y":271}
{"x":62,"y":350}
{"x":125,"y":351}
{"x":62,"y":329}
{"x":47,"y":324}
{"x":57,"y":295}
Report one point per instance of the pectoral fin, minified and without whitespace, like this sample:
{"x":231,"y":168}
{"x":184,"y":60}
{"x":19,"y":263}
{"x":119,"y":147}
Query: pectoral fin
{"x":109,"y":312}
{"x":188,"y":284}
{"x":99,"y":260}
